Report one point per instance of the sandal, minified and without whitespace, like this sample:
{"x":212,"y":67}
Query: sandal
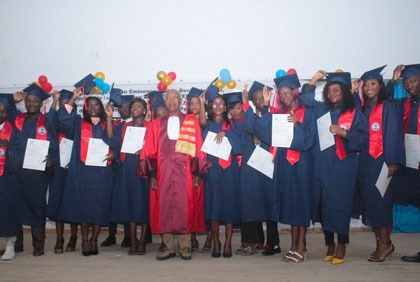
{"x":248,"y":251}
{"x":384,"y":250}
{"x":287,"y":255}
{"x":58,"y":249}
{"x":71,"y":245}
{"x":141,"y":248}
{"x":85,"y":248}
{"x":133,"y":248}
{"x":206,"y":248}
{"x":297,"y":257}
{"x":94,"y":247}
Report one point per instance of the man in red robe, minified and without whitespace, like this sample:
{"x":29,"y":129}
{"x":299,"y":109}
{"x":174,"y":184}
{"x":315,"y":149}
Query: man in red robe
{"x":172,"y":159}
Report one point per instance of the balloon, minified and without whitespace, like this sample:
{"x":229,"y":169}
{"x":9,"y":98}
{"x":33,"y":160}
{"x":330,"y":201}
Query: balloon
{"x":225,"y":76}
{"x":105,"y":87}
{"x":166,"y":80}
{"x":160,"y":75}
{"x":231,"y":84}
{"x":46,"y":86}
{"x":172,"y":75}
{"x":219,"y":84}
{"x":100,"y":74}
{"x":280,"y":73}
{"x":161,"y":86}
{"x":37,"y":83}
{"x":96,"y":90}
{"x":291,"y":71}
{"x":338,"y":70}
{"x":99,"y":82}
{"x":42,"y":79}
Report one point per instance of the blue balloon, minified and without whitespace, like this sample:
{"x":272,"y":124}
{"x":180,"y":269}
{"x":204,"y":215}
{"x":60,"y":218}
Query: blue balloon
{"x":99,"y":82}
{"x":280,"y":73}
{"x":225,"y":76}
{"x":105,"y":88}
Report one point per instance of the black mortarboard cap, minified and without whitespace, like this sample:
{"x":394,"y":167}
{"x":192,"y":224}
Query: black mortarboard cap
{"x":156,"y":98}
{"x":7,"y":100}
{"x":212,"y":91}
{"x":36,"y":90}
{"x":341,"y":77}
{"x":373,"y":74}
{"x":194,"y":92}
{"x":289,"y":80}
{"x":410,"y":70}
{"x":256,"y":86}
{"x":65,"y":94}
{"x":233,"y":98}
{"x":88,"y":82}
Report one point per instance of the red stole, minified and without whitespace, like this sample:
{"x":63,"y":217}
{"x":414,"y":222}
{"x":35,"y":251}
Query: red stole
{"x":41,"y":131}
{"x":5,"y":133}
{"x":345,"y":120}
{"x":375,"y":131}
{"x":86,"y":134}
{"x":407,"y":108}
{"x":223,"y":163}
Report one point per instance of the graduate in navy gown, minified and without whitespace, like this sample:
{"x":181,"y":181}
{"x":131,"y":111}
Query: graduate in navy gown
{"x":88,"y":189}
{"x":130,"y":199}
{"x":221,"y":184}
{"x":385,"y":147}
{"x":33,"y":183}
{"x":336,"y":165}
{"x":57,"y":181}
{"x":10,"y":220}
{"x":409,"y":111}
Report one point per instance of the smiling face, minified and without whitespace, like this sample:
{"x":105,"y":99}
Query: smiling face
{"x":218,"y":106}
{"x":173,"y":102}
{"x":287,"y":96}
{"x":335,"y":93}
{"x":194,"y":105}
{"x":236,"y":111}
{"x":93,"y":108}
{"x":258,"y":100}
{"x":137,"y":110}
{"x":33,"y":104}
{"x":371,"y":88}
{"x":412,"y":85}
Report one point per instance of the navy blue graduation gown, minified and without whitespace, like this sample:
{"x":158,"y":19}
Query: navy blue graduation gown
{"x":335,"y":179}
{"x":256,"y":188}
{"x":88,"y":189}
{"x":222,"y":186}
{"x":10,"y":213}
{"x":377,"y":210}
{"x":33,"y":184}
{"x":130,"y":196}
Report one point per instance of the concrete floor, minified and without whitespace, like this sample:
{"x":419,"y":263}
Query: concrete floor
{"x":113,"y":263}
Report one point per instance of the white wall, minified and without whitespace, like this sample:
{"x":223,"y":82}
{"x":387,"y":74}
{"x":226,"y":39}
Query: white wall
{"x":131,"y":40}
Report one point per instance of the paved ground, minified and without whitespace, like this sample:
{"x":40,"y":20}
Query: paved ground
{"x":113,"y":264}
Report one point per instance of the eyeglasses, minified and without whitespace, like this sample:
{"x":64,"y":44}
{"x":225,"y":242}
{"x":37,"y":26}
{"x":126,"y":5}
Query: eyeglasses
{"x":218,"y":105}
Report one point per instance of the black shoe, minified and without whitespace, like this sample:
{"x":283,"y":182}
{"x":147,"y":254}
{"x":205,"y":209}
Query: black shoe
{"x":415,"y":258}
{"x":185,"y":257}
{"x":71,"y":246}
{"x":109,"y":241}
{"x":126,"y":242}
{"x":168,"y":256}
{"x":271,"y":251}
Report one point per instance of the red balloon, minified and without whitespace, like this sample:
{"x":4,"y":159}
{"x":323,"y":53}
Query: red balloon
{"x":46,"y":86}
{"x":291,"y":71}
{"x":172,"y":75}
{"x":42,"y":79}
{"x":161,"y":86}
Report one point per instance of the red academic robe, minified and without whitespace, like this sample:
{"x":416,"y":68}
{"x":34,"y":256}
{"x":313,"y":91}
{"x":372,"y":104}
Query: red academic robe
{"x":175,"y":207}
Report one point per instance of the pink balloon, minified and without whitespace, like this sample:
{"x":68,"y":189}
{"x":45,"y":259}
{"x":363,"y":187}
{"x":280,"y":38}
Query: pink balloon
{"x":291,"y":71}
{"x":172,"y":75}
{"x":161,"y":86}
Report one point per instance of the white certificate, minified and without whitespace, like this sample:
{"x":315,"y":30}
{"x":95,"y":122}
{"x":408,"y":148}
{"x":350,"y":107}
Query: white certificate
{"x":383,"y":180}
{"x":66,"y":146}
{"x":326,"y":138}
{"x":281,"y":131}
{"x":35,"y":153}
{"x":133,"y":139}
{"x":412,"y":150}
{"x":262,"y":161}
{"x":221,"y":150}
{"x":96,"y":153}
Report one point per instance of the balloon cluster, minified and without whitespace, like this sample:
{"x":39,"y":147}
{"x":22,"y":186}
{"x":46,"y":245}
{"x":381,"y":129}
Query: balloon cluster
{"x":100,"y":85}
{"x":280,"y":72}
{"x":225,"y":79}
{"x":44,"y":84}
{"x":165,"y":79}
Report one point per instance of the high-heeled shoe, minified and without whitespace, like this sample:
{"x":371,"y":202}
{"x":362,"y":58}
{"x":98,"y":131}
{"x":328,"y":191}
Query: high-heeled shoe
{"x":227,"y":253}
{"x":214,"y":253}
{"x":58,"y":249}
{"x":71,"y":245}
{"x":336,"y":260}
{"x":85,"y":248}
{"x":332,"y":249}
{"x":384,"y":250}
{"x":94,"y":247}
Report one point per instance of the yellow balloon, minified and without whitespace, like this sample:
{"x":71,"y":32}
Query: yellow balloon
{"x":166,"y":80}
{"x":160,"y":75}
{"x":96,"y":90}
{"x":37,"y":83}
{"x":231,"y":84}
{"x":100,"y":74}
{"x":338,"y":70}
{"x":219,"y":84}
